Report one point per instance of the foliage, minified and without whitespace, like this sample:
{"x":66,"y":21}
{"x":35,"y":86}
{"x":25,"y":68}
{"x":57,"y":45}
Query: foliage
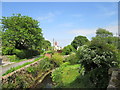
{"x":19,"y":53}
{"x":25,"y":53}
{"x":103,"y":33}
{"x":46,"y":44}
{"x":44,"y":65}
{"x":57,"y":59}
{"x":20,"y":32}
{"x":49,"y":52}
{"x":18,"y":67}
{"x":79,"y":41}
{"x":13,"y":58}
{"x":68,"y":49}
{"x":65,"y":74}
{"x":92,"y":79}
{"x":109,"y":40}
{"x":7,"y":50}
{"x":98,"y":56}
{"x":72,"y":58}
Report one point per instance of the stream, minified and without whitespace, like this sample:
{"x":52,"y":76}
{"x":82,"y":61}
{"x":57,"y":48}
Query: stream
{"x":46,"y":83}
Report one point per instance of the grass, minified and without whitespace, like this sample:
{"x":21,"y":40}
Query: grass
{"x":65,"y":74}
{"x":18,"y":60}
{"x":70,"y":73}
{"x":18,"y":67}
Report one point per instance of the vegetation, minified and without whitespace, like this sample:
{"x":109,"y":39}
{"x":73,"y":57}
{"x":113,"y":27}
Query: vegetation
{"x":57,"y":59}
{"x":72,"y":59}
{"x":18,"y":67}
{"x":44,"y":65}
{"x":103,"y":33}
{"x":65,"y":74}
{"x":87,"y":62}
{"x":94,"y":58}
{"x":14,"y":58}
{"x":68,"y":49}
{"x":46,"y":45}
{"x":20,"y":35}
{"x":79,"y":41}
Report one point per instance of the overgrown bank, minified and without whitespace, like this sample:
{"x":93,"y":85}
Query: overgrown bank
{"x":25,"y":77}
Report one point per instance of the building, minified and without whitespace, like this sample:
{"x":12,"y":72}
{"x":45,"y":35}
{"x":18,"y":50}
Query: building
{"x":56,"y":47}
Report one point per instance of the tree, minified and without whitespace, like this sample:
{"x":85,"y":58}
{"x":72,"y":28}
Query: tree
{"x":21,"y":32}
{"x":103,"y":33}
{"x":97,"y":58}
{"x":46,"y":44}
{"x":68,"y":49}
{"x":106,"y":36}
{"x":79,"y":41}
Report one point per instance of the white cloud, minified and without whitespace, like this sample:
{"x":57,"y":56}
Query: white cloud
{"x":48,"y":17}
{"x":92,"y":31}
{"x":66,"y":24}
{"x":113,"y":29}
{"x":84,"y":32}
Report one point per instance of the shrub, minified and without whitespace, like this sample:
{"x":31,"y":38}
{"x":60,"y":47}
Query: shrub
{"x":25,"y":53}
{"x":68,"y":49}
{"x":57,"y":59}
{"x":49,"y":52}
{"x":45,"y":64}
{"x":7,"y":50}
{"x":19,"y":53}
{"x":72,"y":58}
{"x":30,"y":53}
{"x":97,"y":58}
{"x":13,"y":58}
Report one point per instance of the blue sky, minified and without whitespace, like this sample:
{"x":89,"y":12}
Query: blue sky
{"x":65,"y":20}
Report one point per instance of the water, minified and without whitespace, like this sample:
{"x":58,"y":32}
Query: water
{"x":46,"y":83}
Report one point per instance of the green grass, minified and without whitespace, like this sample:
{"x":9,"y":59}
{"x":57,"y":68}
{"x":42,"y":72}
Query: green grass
{"x":18,"y":67}
{"x":65,"y":74}
{"x":70,"y":73}
{"x":17,"y":60}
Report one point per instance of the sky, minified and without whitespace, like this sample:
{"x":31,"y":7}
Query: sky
{"x":65,"y":20}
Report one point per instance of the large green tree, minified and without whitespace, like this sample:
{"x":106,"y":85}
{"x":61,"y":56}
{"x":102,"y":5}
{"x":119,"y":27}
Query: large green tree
{"x":79,"y":41}
{"x":21,"y":32}
{"x":103,"y":33}
{"x":46,"y":44}
{"x":107,"y":37}
{"x":68,"y":49}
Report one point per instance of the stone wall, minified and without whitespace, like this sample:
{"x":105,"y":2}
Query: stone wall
{"x":115,"y":78}
{"x":20,"y":78}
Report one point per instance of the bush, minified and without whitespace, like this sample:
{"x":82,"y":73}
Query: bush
{"x":47,"y":52}
{"x":97,"y":58}
{"x":72,"y":58}
{"x":25,"y":53}
{"x":45,"y":64}
{"x":30,"y":53}
{"x":57,"y":59}
{"x":19,"y":53}
{"x":7,"y":50}
{"x":13,"y":58}
{"x":68,"y":49}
